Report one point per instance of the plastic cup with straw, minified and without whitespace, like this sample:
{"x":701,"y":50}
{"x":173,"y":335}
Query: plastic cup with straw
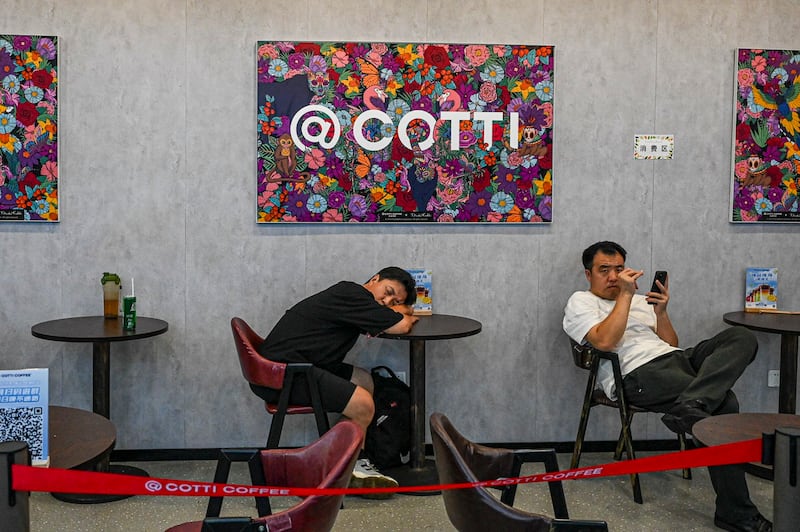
{"x":129,"y":310}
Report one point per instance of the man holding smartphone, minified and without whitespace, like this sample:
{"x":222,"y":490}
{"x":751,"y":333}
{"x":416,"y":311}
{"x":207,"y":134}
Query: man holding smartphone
{"x":686,"y":384}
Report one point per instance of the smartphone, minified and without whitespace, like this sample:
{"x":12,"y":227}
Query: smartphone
{"x":660,"y":275}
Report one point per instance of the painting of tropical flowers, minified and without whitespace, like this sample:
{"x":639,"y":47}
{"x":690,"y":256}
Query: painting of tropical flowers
{"x":766,"y":157}
{"x":404,"y":132}
{"x":28,"y":128}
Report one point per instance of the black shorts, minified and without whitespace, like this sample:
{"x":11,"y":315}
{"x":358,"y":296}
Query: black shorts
{"x":333,"y":381}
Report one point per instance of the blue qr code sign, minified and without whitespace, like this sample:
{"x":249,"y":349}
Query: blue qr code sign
{"x":24,"y":424}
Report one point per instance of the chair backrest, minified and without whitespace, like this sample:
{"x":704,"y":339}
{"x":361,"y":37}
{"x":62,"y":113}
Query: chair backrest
{"x":474,"y":509}
{"x":326,"y":463}
{"x":255,"y":368}
{"x":581,"y":354}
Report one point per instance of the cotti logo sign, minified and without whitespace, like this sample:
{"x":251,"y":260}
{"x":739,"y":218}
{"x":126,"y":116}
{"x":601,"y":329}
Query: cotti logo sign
{"x":204,"y":488}
{"x":325,"y":138}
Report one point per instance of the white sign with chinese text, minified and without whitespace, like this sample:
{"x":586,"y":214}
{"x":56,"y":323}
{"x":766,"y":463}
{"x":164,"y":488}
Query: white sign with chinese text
{"x":653,"y":146}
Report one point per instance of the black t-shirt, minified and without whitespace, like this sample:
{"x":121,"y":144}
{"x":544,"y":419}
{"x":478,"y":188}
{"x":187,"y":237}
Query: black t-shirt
{"x":322,"y":328}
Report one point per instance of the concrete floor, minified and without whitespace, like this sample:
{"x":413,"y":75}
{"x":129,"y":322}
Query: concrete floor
{"x":670,"y":503}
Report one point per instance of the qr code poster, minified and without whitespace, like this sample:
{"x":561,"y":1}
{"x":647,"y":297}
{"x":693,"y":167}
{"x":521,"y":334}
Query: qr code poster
{"x":23,"y":410}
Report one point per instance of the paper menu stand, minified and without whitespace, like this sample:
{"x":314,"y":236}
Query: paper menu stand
{"x":424,"y":304}
{"x":24,"y":410}
{"x":761,"y":290}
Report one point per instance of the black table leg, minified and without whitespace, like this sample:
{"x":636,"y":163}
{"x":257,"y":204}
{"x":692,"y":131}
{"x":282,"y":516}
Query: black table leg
{"x":101,"y":404}
{"x":419,"y":472}
{"x":787,"y":395}
{"x":101,"y":377}
{"x":417,"y":367}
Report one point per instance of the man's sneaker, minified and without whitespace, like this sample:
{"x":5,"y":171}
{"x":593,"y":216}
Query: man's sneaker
{"x":366,"y":475}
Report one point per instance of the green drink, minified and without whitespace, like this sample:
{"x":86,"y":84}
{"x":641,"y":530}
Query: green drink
{"x":129,"y":313}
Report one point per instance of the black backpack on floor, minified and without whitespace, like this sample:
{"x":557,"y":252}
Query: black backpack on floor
{"x":388,"y":440}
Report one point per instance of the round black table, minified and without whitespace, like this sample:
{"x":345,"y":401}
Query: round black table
{"x":100,"y":332}
{"x":433,"y":327}
{"x":788,"y":326}
{"x":730,"y":428}
{"x":79,"y":439}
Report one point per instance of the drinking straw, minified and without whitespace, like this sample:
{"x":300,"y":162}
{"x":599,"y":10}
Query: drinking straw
{"x":132,"y":294}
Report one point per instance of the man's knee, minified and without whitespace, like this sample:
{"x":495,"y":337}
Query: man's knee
{"x":744,"y":340}
{"x":361,"y":407}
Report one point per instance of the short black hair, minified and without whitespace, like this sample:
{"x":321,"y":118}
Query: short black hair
{"x":403,"y":277}
{"x":605,"y":247}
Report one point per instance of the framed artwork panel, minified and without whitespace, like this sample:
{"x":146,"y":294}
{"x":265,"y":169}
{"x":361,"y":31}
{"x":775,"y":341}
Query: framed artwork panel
{"x":28,"y":128}
{"x":766,"y":138}
{"x":404,"y":132}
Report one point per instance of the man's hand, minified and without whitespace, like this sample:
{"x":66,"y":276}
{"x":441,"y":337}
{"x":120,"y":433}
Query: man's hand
{"x":403,"y":326}
{"x":407,"y":310}
{"x":626,"y":280}
{"x":664,"y":328}
{"x":659,"y":300}
{"x":606,"y":334}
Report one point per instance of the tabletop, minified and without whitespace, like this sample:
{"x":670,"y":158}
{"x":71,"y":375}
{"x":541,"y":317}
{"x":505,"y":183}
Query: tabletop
{"x":729,"y":428}
{"x":439,"y":327}
{"x":97,"y":329}
{"x":765,"y":321}
{"x":78,"y":438}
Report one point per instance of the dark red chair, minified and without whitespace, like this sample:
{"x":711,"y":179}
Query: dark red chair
{"x":459,"y":460}
{"x":261,"y":371}
{"x":326,"y":463}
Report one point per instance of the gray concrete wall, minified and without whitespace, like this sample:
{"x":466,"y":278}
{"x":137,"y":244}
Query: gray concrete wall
{"x":157,"y":182}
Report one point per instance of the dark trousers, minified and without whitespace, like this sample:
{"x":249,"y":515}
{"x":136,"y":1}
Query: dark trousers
{"x":704,"y":373}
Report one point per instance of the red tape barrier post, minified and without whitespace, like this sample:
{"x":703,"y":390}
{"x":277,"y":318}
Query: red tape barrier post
{"x":14,"y":506}
{"x":786,"y":499}
{"x":28,"y":478}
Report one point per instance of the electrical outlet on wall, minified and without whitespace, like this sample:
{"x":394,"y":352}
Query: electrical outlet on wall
{"x":773,"y":378}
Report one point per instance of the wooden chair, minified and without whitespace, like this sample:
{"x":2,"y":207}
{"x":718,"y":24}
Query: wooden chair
{"x":261,"y":371}
{"x":325,"y":463}
{"x":459,"y":460}
{"x":588,"y":358}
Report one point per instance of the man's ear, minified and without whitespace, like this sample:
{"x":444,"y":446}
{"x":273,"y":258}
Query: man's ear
{"x":588,"y":274}
{"x":375,"y":278}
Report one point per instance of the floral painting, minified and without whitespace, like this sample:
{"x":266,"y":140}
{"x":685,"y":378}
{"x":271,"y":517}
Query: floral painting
{"x":766,"y":155}
{"x":28,"y":128}
{"x":404,"y":132}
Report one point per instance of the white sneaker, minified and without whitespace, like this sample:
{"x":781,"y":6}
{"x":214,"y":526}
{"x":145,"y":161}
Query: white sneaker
{"x":366,"y":475}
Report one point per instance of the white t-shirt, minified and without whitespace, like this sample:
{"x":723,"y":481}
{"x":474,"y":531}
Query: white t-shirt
{"x":639,"y":344}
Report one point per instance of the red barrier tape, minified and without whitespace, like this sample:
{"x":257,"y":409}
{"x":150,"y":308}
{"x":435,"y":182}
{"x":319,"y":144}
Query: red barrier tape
{"x":28,"y":478}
